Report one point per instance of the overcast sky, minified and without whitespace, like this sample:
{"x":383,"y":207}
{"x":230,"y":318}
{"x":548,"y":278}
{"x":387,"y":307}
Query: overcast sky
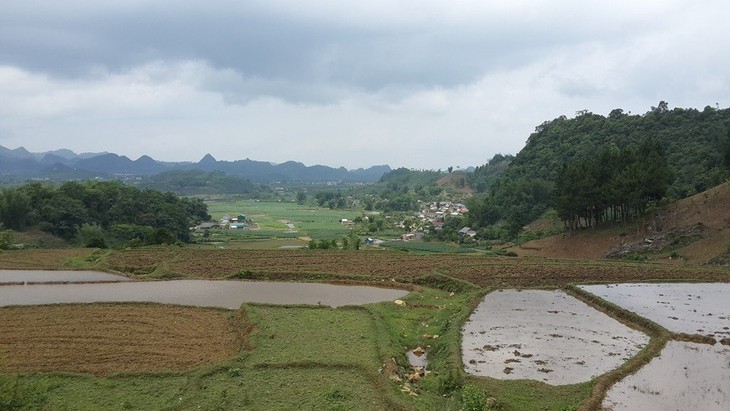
{"x":419,"y":84}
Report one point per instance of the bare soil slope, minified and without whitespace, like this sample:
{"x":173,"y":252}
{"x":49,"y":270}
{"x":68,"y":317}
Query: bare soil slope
{"x":699,"y":227}
{"x":456,"y":182}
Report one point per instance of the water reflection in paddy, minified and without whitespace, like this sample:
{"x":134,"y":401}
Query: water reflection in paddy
{"x":680,"y":307}
{"x":544,"y":335}
{"x":223,"y":294}
{"x":47,"y":276}
{"x":685,"y":376}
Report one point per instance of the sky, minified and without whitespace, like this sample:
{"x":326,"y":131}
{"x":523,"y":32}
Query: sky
{"x":419,"y":84}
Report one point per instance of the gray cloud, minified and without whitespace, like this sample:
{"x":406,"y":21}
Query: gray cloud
{"x":398,"y":81}
{"x":275,"y":45}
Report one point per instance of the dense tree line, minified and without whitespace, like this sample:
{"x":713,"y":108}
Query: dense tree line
{"x":512,"y":203}
{"x":101,"y":212}
{"x":330,"y":199}
{"x":694,"y":144}
{"x":615,"y":185}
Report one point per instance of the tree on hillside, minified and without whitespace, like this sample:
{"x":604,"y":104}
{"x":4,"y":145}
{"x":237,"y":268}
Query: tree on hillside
{"x":14,"y":209}
{"x":614,"y":185}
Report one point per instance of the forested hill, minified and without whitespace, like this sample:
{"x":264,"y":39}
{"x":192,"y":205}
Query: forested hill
{"x":190,"y":182}
{"x":694,"y":144}
{"x":693,"y":141}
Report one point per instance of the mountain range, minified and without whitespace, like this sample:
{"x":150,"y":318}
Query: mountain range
{"x":20,"y":164}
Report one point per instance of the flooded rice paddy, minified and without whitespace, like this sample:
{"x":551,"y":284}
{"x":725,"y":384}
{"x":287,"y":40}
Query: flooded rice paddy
{"x":686,"y":376}
{"x":544,"y":335}
{"x":202,"y":293}
{"x":45,"y":276}
{"x":702,"y":309}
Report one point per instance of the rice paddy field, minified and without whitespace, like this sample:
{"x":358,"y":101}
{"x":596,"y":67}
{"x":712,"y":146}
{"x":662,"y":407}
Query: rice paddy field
{"x":122,"y":356}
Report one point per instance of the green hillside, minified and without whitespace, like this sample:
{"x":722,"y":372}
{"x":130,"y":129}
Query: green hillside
{"x":694,"y":144}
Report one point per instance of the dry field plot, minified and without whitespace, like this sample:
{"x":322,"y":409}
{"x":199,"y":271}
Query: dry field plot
{"x":103,"y":339}
{"x":486,"y":271}
{"x":39,"y":259}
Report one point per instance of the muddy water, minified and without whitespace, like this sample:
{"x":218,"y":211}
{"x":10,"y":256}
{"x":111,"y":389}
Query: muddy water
{"x":688,"y":308}
{"x":224,"y":294}
{"x":45,"y":276}
{"x":686,"y":376}
{"x":544,"y":335}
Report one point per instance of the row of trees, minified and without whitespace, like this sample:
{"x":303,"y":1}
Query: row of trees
{"x":98,"y":212}
{"x":615,"y":185}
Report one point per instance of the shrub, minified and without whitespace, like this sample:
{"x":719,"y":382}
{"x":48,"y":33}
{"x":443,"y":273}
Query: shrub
{"x":473,"y":399}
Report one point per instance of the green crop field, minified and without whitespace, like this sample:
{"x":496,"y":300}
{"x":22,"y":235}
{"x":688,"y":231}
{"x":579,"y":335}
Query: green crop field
{"x":272,"y":218}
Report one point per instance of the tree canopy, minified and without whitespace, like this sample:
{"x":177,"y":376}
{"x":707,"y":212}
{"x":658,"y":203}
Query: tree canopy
{"x":596,"y":161}
{"x":113,"y":211}
{"x":187,"y":182}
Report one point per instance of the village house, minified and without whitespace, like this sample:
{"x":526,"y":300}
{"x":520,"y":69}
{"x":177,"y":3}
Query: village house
{"x":467,"y":231}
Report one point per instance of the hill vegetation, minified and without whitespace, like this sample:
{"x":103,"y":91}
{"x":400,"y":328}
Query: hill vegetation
{"x":189,"y":182}
{"x":94,"y":213}
{"x":694,"y":145}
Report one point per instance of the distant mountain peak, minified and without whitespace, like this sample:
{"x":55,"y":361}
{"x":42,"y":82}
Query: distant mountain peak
{"x":145,"y":159}
{"x":20,"y":162}
{"x":208,"y":158}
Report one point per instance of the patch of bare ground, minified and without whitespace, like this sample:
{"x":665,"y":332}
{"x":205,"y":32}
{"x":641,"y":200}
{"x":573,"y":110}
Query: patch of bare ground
{"x":456,"y":182}
{"x":708,"y":211}
{"x":103,"y":339}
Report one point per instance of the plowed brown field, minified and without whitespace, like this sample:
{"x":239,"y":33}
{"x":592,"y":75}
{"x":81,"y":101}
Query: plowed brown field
{"x":487,"y":271}
{"x":102,"y":339}
{"x":41,"y":259}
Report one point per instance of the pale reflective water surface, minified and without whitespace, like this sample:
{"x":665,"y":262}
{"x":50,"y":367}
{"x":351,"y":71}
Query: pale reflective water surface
{"x":679,"y":307}
{"x":685,"y":376}
{"x":544,"y":335}
{"x":203,"y":293}
{"x":46,"y":276}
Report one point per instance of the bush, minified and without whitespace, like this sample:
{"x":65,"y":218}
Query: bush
{"x":95,"y":243}
{"x":6,"y":239}
{"x":446,"y":283}
{"x":473,"y":399}
{"x":245,"y":275}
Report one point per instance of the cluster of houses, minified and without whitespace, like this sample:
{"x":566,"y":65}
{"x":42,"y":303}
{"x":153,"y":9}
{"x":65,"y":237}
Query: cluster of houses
{"x":227,"y":222}
{"x":434,"y":214}
{"x":437,"y":211}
